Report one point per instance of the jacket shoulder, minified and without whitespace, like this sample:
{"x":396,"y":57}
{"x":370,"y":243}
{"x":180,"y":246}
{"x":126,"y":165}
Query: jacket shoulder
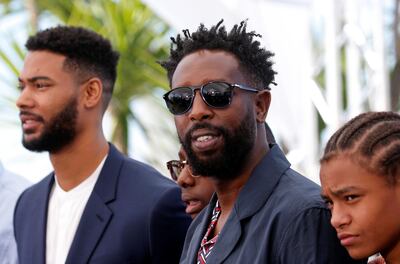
{"x":34,"y":191}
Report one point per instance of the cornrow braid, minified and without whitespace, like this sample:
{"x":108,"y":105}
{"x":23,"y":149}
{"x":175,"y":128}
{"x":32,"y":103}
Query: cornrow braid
{"x":255,"y":61}
{"x":372,"y":137}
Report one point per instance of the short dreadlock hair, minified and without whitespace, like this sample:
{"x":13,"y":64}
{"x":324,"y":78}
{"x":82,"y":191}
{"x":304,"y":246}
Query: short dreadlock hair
{"x":373,"y":140}
{"x":254,"y":60}
{"x":87,"y":54}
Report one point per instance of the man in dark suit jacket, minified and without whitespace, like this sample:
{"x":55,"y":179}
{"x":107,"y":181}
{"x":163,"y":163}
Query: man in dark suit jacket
{"x":98,"y":206}
{"x":262,"y":211}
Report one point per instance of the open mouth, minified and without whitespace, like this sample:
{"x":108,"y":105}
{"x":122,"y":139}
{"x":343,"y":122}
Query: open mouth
{"x":205,"y":140}
{"x":30,"y":123}
{"x":193,"y":206}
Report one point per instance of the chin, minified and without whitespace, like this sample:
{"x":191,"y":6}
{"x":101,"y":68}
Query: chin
{"x":359,"y":254}
{"x":193,"y":215}
{"x":29,"y":137}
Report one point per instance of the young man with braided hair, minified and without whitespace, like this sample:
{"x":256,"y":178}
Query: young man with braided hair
{"x":360,"y":177}
{"x":262,"y":211}
{"x":98,"y":206}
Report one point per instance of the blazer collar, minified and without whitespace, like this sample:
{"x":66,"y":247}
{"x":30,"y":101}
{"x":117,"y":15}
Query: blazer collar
{"x":251,"y":198}
{"x":97,"y":215}
{"x":107,"y":183}
{"x":262,"y":182}
{"x":200,"y":223}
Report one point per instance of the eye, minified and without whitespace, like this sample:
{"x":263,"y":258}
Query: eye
{"x":329,"y":204}
{"x":350,"y":198}
{"x":40,"y":85}
{"x":20,"y":86}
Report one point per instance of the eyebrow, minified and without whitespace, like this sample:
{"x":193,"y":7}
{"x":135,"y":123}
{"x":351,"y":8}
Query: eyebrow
{"x":324,"y":197}
{"x":341,"y":191}
{"x":36,"y":78}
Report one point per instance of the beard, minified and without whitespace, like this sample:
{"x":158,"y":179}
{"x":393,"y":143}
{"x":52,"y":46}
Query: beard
{"x":229,"y":161}
{"x":58,"y":132}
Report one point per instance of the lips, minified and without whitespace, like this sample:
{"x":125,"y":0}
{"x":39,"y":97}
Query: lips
{"x":347,"y":239}
{"x":205,"y":139}
{"x":30,"y":121}
{"x":193,"y":205}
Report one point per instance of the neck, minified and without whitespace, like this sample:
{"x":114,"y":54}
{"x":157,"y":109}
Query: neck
{"x":228,"y":191}
{"x":77,"y":161}
{"x":393,"y":257}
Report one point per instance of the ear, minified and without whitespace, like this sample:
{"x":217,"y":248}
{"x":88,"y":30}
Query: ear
{"x":263,"y":101}
{"x":92,"y":92}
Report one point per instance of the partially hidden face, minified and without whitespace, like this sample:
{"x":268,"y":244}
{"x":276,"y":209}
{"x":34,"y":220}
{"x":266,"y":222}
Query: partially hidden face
{"x":217,"y":141}
{"x":47,"y":103}
{"x":365,"y":207}
{"x":196,"y":190}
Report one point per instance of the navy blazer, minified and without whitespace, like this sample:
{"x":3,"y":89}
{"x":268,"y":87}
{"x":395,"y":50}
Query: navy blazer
{"x":133,"y":215}
{"x":278,"y":218}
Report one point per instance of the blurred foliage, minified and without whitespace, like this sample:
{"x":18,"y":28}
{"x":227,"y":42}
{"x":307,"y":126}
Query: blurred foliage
{"x":133,"y":29}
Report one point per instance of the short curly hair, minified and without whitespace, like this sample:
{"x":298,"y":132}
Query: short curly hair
{"x":87,"y":53}
{"x":254,"y":60}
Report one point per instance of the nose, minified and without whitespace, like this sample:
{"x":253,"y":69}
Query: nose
{"x":185,"y":179}
{"x":200,"y":110}
{"x":25,"y":99}
{"x":340,"y":218}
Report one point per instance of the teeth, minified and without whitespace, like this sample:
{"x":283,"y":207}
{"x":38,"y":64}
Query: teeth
{"x":204,"y":138}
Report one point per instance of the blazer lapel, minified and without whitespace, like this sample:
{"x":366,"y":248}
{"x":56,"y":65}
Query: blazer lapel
{"x":251,"y":198}
{"x":97,"y":215}
{"x":38,"y":221}
{"x":91,"y":227}
{"x":198,"y":234}
{"x":227,"y":240}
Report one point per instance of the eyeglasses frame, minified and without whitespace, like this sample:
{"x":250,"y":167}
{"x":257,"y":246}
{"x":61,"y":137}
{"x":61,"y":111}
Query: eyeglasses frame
{"x":172,"y":163}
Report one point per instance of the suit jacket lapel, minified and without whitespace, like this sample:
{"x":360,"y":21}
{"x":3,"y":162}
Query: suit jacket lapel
{"x":96,"y":215}
{"x":262,"y":182}
{"x":198,"y":234}
{"x":227,"y":240}
{"x":250,"y":200}
{"x":91,"y":227}
{"x":38,"y":221}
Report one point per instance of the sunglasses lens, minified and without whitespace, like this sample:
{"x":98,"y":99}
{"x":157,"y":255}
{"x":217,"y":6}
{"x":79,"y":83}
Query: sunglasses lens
{"x":175,"y":173}
{"x":217,"y":94}
{"x":179,"y":100}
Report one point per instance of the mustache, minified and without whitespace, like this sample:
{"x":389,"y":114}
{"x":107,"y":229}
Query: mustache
{"x":31,"y":115}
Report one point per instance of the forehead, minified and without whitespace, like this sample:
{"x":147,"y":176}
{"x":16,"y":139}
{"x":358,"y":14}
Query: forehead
{"x":42,"y":63}
{"x":207,"y":65}
{"x":343,"y":172}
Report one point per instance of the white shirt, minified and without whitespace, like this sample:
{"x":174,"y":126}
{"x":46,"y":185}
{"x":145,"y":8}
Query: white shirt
{"x":64,"y":214}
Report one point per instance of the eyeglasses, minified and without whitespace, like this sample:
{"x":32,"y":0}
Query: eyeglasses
{"x":215,"y":94}
{"x":175,"y":168}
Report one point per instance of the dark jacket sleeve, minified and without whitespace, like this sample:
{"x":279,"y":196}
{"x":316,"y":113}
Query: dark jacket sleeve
{"x":168,"y":227}
{"x":16,"y":217}
{"x":311,"y":239}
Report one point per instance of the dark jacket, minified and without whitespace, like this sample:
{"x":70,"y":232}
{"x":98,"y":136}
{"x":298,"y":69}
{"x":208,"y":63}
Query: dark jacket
{"x":278,"y":218}
{"x":133,"y":215}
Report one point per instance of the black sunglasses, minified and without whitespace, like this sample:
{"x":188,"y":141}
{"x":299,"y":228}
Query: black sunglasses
{"x":175,"y":168}
{"x":215,"y":94}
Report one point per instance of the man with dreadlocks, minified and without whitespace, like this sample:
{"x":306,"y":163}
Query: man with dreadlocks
{"x":262,"y":211}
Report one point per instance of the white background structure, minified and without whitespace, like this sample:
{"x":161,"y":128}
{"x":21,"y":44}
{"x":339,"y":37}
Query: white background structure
{"x":286,"y":26}
{"x":307,"y":37}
